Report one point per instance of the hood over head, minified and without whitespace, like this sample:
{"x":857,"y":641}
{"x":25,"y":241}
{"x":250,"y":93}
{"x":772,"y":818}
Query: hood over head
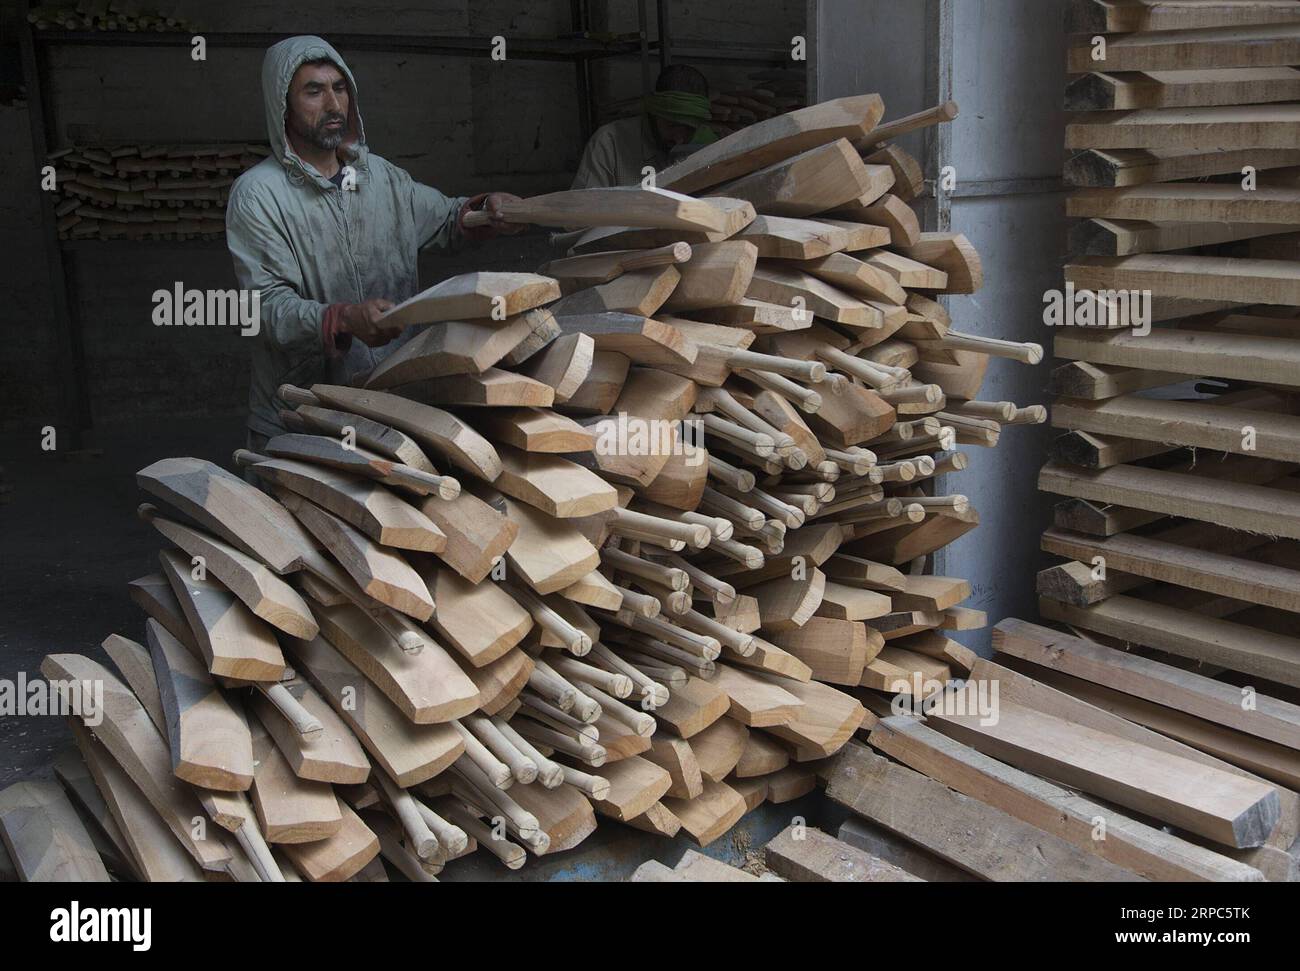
{"x":278,"y":67}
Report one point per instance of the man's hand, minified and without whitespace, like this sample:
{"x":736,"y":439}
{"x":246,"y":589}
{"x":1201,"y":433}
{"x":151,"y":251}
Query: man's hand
{"x":362,"y":321}
{"x":492,"y":205}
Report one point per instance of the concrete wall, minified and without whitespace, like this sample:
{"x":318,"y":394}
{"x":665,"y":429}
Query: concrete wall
{"x":464,"y":125}
{"x":1006,"y":60}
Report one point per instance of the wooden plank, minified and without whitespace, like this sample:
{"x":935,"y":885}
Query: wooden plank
{"x":1120,"y":167}
{"x":1155,"y":558}
{"x":1024,"y":690}
{"x":554,"y":485}
{"x":736,"y":214}
{"x":1082,"y":379}
{"x":371,"y":508}
{"x":232,"y":641}
{"x":1130,"y":844}
{"x":433,"y":428}
{"x":635,"y":785}
{"x":963,"y":831}
{"x":717,"y":275}
{"x":1125,"y":237}
{"x":1199,"y":202}
{"x":773,"y":139}
{"x":264,"y":593}
{"x":909,"y":179}
{"x":692,"y":707}
{"x":408,"y":752}
{"x":710,"y":814}
{"x":756,"y":701}
{"x":1102,"y":91}
{"x":1197,"y":277}
{"x":814,"y":181}
{"x":1107,"y":16}
{"x":1274,"y":126}
{"x":494,"y":295}
{"x":1186,"y":633}
{"x":780,"y":237}
{"x":548,"y":553}
{"x":564,"y":365}
{"x":477,"y":535}
{"x":1221,"y":424}
{"x":459,"y":347}
{"x":133,"y":741}
{"x":835,"y":650}
{"x":1267,"y":760}
{"x":1209,"y":802}
{"x":289,"y":809}
{"x":339,"y":857}
{"x":209,"y":739}
{"x":1173,"y":687}
{"x":826,"y":721}
{"x":1181,"y":50}
{"x":45,"y":837}
{"x":331,"y":755}
{"x":154,"y":851}
{"x":381,"y":572}
{"x":812,"y":856}
{"x":656,"y":208}
{"x":225,"y":504}
{"x":427,"y":686}
{"x":640,"y":292}
{"x":373,"y":435}
{"x":1240,"y":506}
{"x":480,"y":620}
{"x":641,"y":339}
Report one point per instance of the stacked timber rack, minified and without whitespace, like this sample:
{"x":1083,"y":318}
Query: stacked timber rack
{"x":1177,"y":462}
{"x":577,"y":612}
{"x":147,"y":191}
{"x":1181,"y":444}
{"x":126,"y":15}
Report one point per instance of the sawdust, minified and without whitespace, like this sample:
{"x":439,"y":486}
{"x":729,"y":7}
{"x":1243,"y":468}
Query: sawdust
{"x":755,"y":860}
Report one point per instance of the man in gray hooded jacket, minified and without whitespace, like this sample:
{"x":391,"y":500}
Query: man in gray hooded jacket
{"x":328,"y":232}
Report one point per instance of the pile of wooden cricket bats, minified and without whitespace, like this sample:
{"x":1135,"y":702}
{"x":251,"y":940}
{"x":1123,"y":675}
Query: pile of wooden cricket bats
{"x":641,"y":536}
{"x":147,"y":191}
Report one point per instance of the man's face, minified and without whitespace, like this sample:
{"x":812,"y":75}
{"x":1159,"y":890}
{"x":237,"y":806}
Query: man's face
{"x":318,"y":105}
{"x":672,"y":133}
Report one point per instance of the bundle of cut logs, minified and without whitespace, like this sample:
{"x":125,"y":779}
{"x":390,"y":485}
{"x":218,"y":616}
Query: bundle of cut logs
{"x":147,"y":191}
{"x":127,"y":15}
{"x":641,"y":536}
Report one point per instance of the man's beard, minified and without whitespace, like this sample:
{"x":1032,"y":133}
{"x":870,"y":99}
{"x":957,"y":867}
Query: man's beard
{"x":325,"y":138}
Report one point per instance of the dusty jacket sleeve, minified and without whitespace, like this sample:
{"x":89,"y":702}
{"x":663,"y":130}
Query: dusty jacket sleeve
{"x":437,"y":222}
{"x":264,"y":261}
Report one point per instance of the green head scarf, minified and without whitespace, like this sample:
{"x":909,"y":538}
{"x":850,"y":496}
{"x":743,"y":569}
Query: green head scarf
{"x":682,"y":109}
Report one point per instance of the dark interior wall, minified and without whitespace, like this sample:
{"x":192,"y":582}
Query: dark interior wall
{"x":463,"y":125}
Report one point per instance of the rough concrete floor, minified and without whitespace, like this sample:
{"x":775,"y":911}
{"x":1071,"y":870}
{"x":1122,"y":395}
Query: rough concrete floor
{"x":69,"y":544}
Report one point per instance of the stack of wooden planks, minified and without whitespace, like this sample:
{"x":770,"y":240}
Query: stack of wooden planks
{"x":1180,"y":446}
{"x":126,"y":15}
{"x":641,"y":536}
{"x":147,"y":191}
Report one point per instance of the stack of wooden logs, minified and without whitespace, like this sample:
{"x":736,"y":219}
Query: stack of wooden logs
{"x":127,"y":15}
{"x":500,"y":588}
{"x":1178,"y":461}
{"x":147,"y":191}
